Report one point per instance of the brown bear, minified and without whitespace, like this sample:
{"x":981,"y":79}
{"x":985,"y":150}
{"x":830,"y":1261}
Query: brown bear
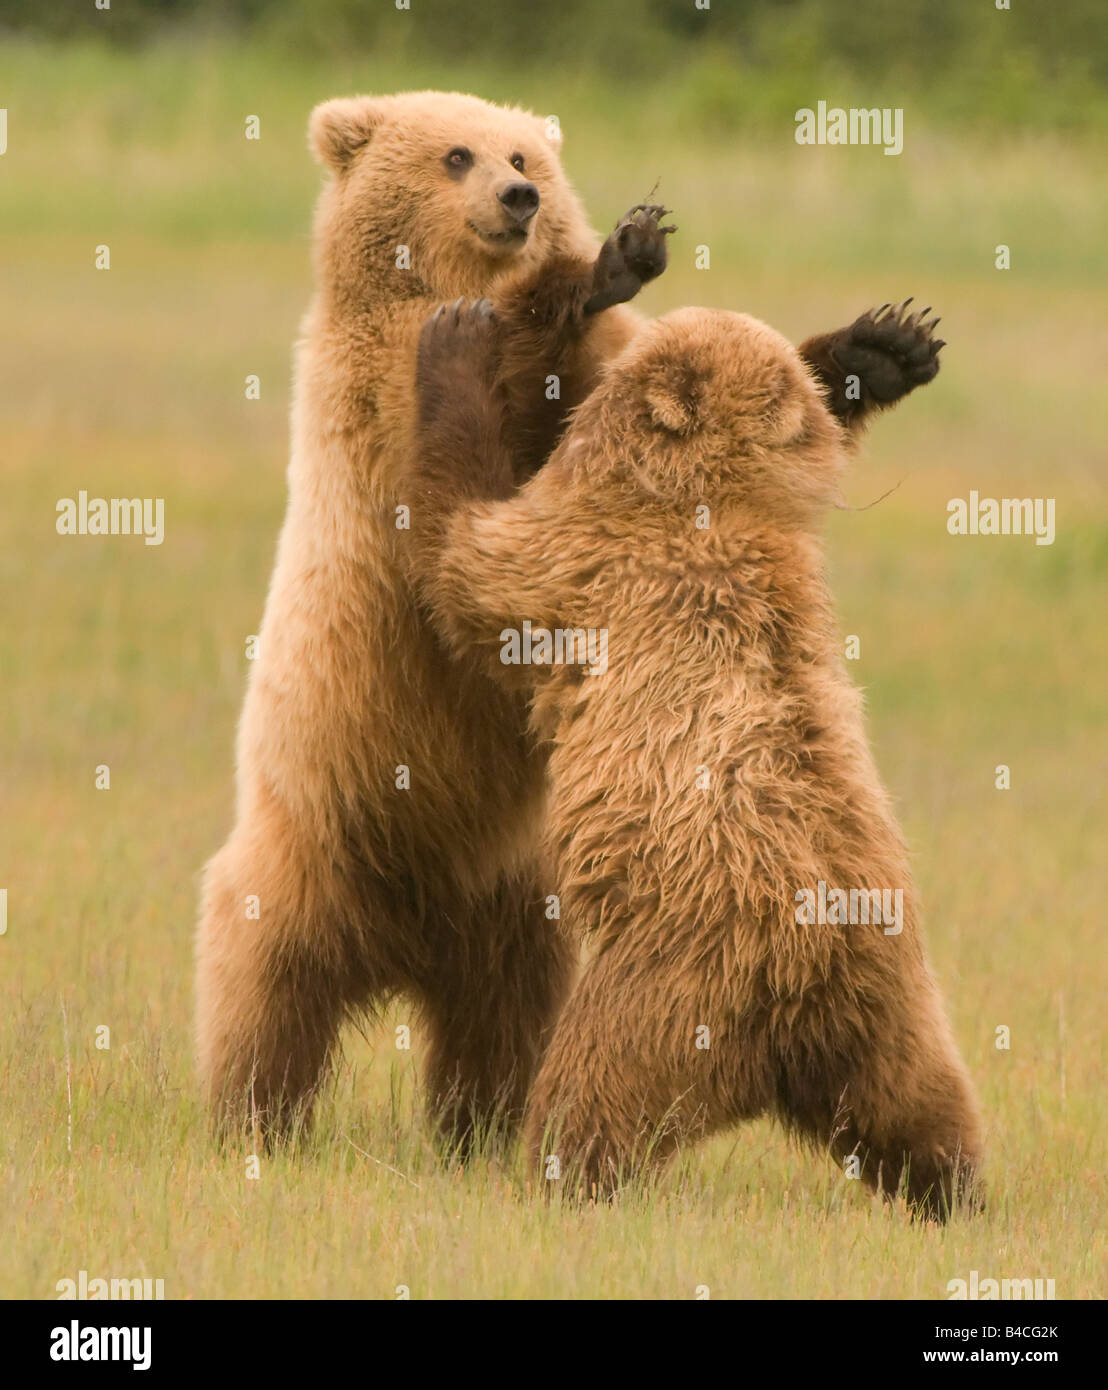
{"x":387,"y":835}
{"x":388,"y":800}
{"x":720,"y":836}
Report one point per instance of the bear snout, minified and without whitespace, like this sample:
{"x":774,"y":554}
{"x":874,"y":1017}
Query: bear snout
{"x":520,"y":200}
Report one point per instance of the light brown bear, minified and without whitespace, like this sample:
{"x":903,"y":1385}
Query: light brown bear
{"x":387,"y":836}
{"x":387,"y":829}
{"x":661,"y":587}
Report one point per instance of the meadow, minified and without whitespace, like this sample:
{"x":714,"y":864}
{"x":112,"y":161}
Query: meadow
{"x":975,"y":652}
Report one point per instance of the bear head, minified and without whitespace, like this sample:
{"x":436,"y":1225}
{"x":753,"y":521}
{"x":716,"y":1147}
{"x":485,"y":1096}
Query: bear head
{"x":469,"y":188}
{"x":707,"y":405}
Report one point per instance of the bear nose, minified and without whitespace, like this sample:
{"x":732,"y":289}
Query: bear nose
{"x":520,"y":201}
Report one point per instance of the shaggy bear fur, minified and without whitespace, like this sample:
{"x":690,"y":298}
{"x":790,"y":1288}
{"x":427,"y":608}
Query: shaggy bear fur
{"x":371,"y":880}
{"x":718,"y":768}
{"x":387,"y":836}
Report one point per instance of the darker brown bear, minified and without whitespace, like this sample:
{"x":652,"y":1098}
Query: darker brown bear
{"x":711,"y":784}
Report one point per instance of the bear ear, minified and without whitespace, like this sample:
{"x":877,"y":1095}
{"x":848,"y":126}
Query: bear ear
{"x":674,"y":402}
{"x":785,"y":414}
{"x":338,"y":129}
{"x":788,"y":419}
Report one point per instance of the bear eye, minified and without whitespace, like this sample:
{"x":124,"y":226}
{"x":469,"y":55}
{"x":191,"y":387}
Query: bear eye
{"x":459,"y":159}
{"x":517,"y":162}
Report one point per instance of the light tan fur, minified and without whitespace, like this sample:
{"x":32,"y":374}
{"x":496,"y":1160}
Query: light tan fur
{"x":365,"y":889}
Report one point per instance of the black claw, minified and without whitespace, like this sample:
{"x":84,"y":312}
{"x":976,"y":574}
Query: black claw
{"x":654,"y":210}
{"x":937,"y":344}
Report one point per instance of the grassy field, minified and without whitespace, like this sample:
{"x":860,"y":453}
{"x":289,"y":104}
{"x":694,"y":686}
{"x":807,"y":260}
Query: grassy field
{"x":975,"y":652}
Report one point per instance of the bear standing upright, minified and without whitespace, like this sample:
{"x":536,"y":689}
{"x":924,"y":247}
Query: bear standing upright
{"x":710,"y":776}
{"x":388,"y":826}
{"x":388,"y":797}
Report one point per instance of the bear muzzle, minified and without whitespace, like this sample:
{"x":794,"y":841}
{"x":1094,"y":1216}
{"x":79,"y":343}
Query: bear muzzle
{"x":519,"y":202}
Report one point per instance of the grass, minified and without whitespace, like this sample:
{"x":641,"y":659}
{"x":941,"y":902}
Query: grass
{"x":975,"y":652}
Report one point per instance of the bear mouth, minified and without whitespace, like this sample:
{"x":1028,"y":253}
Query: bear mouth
{"x":510,"y":236}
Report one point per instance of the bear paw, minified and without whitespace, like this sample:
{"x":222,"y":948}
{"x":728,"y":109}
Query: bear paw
{"x":891,"y":351}
{"x":633,"y":255}
{"x":457,"y":351}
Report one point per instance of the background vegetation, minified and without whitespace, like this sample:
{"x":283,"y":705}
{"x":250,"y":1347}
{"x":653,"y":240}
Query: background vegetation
{"x":126,"y":128}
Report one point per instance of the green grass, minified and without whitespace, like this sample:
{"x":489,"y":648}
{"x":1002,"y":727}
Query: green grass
{"x":975,"y":652}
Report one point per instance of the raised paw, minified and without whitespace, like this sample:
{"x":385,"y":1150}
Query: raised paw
{"x":633,"y":255}
{"x":890,"y":350}
{"x":459,"y":334}
{"x":457,"y":353}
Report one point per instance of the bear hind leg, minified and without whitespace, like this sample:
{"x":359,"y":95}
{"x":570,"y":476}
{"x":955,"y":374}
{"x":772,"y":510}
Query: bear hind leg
{"x":623,"y":1084}
{"x":905,"y":1120}
{"x":272,"y":993}
{"x":501,"y":972}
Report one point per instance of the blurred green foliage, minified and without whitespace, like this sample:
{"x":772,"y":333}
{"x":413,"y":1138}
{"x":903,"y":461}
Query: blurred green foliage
{"x":1039,"y":64}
